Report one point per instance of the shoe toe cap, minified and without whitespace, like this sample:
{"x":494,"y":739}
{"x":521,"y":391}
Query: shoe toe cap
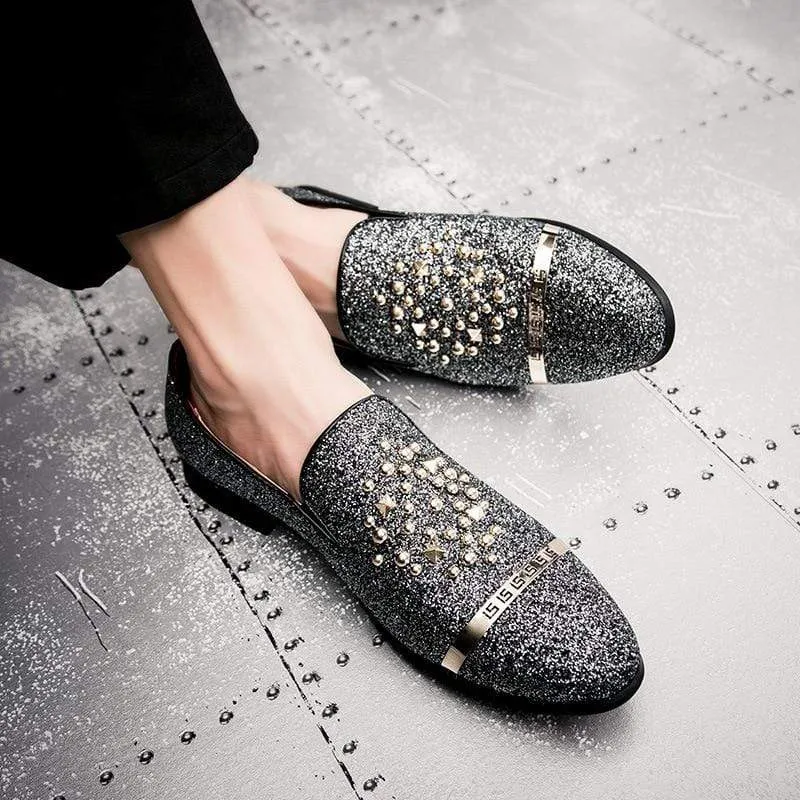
{"x":565,"y":646}
{"x":604,"y":315}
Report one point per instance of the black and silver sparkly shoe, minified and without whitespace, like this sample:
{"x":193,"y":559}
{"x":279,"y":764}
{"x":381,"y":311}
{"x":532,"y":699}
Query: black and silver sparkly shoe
{"x":488,"y":300}
{"x":457,"y":575}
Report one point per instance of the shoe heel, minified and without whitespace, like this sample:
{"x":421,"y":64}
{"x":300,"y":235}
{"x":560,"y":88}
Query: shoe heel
{"x":228,"y":503}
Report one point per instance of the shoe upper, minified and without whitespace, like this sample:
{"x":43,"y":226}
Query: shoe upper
{"x":452,"y":295}
{"x":444,"y":294}
{"x":424,"y":543}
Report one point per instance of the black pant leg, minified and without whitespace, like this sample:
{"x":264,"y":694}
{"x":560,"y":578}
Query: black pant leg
{"x":115,"y":115}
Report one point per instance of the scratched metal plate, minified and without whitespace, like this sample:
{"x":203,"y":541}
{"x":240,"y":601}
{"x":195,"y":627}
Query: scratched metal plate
{"x":542,"y":91}
{"x":706,"y":573}
{"x":759,"y":37}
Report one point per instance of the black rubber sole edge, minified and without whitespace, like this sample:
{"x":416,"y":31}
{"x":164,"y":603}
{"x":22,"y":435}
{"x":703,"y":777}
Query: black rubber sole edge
{"x":253,"y":517}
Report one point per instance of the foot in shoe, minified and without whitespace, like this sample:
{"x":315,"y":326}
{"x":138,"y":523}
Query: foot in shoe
{"x":459,"y":576}
{"x":264,"y":376}
{"x":474,"y":299}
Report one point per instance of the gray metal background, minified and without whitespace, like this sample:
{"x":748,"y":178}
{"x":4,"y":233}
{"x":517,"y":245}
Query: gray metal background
{"x":669,"y":127}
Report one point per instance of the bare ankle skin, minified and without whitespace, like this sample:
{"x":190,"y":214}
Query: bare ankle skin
{"x":309,"y":241}
{"x":265,"y":378}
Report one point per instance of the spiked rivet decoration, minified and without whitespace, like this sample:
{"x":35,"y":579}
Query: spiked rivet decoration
{"x":433,"y":550}
{"x":419,"y":328}
{"x":431,"y":465}
{"x":386,"y":504}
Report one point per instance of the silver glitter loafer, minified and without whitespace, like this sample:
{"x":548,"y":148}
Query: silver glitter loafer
{"x":459,"y":577}
{"x":489,"y":300}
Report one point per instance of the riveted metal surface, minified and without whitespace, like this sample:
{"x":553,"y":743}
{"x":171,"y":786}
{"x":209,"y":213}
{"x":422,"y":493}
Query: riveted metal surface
{"x":586,"y":111}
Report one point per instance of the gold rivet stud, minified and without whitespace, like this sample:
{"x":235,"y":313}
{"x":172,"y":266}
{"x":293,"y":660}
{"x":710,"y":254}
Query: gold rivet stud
{"x":402,"y":558}
{"x":386,"y":503}
{"x":419,"y":328}
{"x":380,"y":535}
{"x":433,"y":550}
{"x":377,"y":559}
{"x":431,"y":465}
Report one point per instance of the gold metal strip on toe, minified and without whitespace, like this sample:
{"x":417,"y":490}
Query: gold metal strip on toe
{"x":541,"y":269}
{"x":490,"y":611}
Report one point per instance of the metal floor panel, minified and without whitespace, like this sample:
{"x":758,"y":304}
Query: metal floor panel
{"x":590,"y":111}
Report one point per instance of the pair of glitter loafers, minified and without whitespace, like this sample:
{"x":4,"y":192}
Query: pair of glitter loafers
{"x":494,"y":301}
{"x":459,"y":576}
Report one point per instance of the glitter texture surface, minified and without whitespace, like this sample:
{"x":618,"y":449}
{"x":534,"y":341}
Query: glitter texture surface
{"x":422,"y":543}
{"x":412,"y":291}
{"x":387,"y":262}
{"x":601,"y":317}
